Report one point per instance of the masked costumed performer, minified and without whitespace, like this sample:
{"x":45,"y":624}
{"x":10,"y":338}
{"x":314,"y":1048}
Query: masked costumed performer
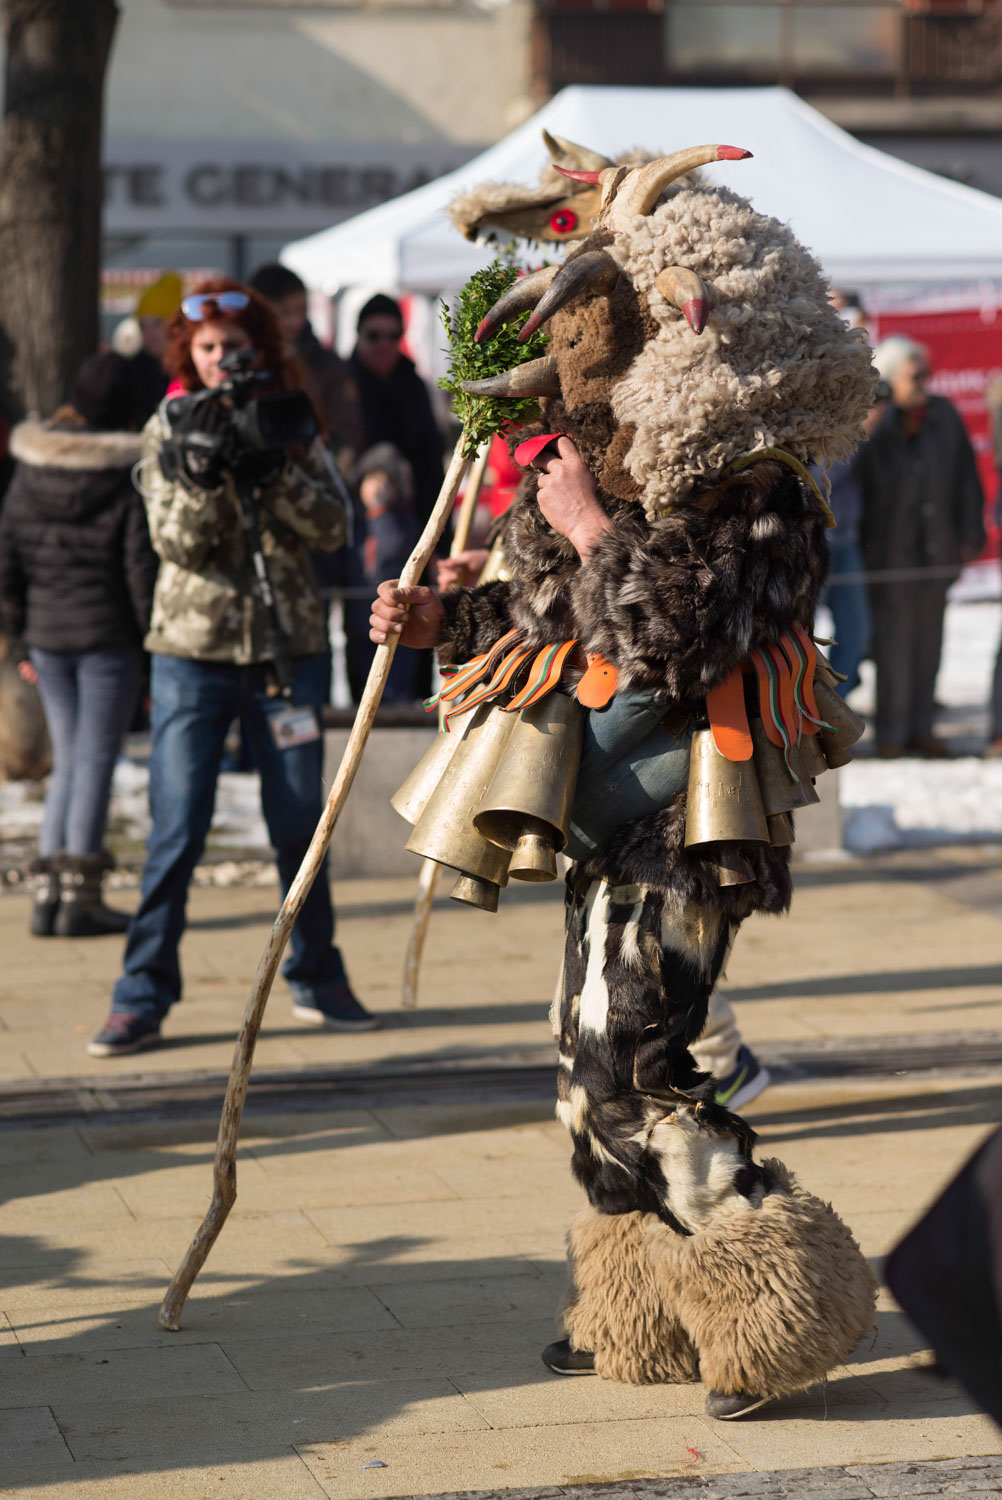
{"x":694,"y":367}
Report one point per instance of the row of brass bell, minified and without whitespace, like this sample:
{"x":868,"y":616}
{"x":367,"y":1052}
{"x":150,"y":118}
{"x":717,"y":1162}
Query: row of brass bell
{"x":493,"y":800}
{"x":735,"y":803}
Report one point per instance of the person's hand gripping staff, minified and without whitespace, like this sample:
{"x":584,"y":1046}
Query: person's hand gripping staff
{"x":566,"y":496}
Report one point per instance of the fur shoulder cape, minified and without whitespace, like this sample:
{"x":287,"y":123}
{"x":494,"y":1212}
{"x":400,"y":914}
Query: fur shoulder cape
{"x":676,"y":604}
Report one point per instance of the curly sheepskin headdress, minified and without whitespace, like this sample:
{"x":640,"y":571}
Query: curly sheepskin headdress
{"x":701,"y":326}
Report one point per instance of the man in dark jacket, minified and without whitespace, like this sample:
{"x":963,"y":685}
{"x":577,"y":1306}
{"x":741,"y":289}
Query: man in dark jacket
{"x":329,"y":379}
{"x":396,"y":407}
{"x":922,"y":509}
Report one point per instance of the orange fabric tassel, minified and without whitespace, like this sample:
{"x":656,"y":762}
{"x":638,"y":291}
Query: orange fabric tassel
{"x":725,"y":705}
{"x":598,"y":684}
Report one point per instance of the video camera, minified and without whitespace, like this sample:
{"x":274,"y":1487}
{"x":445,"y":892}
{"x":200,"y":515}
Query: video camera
{"x":229,"y":429}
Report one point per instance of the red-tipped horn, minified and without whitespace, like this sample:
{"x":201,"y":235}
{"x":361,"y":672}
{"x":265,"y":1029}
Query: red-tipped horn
{"x":640,"y":190}
{"x":578,"y":176}
{"x":520,"y":296}
{"x":594,"y":271}
{"x":684,"y":290}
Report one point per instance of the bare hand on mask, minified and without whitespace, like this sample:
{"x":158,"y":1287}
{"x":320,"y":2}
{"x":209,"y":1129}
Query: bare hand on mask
{"x":567,"y":497}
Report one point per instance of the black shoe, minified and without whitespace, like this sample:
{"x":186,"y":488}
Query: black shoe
{"x":726,"y":1407}
{"x":563,"y":1360}
{"x":337,"y":1009}
{"x":122,"y":1034}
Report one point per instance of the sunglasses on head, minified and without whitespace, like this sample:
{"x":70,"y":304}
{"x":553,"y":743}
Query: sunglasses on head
{"x":206,"y":304}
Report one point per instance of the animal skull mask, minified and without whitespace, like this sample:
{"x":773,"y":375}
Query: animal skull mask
{"x":687,"y":331}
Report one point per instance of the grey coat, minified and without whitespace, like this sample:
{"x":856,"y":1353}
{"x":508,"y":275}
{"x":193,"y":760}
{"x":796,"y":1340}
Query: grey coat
{"x":922,"y":499}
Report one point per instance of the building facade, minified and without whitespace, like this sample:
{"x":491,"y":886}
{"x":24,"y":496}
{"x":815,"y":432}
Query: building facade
{"x":921,"y":79}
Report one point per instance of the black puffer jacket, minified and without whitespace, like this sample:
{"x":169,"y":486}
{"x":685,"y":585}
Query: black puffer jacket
{"x":397,"y":409}
{"x":76,"y":566}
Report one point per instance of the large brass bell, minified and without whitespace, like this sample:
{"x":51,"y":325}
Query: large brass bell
{"x":526,"y":810}
{"x":812,"y":755}
{"x":845,"y":721}
{"x":825,"y":672}
{"x":724,"y":804}
{"x":413,"y":796}
{"x":732,"y":867}
{"x":780,"y":794}
{"x":445,"y":832}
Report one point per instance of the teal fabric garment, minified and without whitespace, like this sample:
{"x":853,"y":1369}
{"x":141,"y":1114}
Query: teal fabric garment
{"x":630,"y":767}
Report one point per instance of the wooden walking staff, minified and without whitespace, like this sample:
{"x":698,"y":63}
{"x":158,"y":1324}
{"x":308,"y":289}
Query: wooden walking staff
{"x":224,"y":1171}
{"x":428,"y":877}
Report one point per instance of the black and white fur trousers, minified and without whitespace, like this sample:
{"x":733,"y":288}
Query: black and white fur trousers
{"x":639,"y":967}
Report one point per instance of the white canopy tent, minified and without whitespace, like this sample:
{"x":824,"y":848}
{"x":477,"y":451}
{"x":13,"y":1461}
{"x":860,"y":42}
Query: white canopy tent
{"x":868,"y":217}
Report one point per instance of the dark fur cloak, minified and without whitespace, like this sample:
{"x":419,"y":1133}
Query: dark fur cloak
{"x":676,"y":605}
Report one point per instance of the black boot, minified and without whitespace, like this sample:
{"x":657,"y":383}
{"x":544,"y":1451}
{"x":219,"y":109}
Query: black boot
{"x":43,"y":881}
{"x":81,"y":911}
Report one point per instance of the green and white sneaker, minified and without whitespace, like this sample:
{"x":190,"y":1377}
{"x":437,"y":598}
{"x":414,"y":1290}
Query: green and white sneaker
{"x":746,"y":1082}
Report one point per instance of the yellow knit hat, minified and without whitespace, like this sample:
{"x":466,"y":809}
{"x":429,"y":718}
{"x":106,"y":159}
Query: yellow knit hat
{"x":163,"y":298}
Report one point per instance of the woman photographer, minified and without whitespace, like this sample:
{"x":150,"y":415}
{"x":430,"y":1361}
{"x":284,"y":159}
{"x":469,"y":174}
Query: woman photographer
{"x":213,"y":500}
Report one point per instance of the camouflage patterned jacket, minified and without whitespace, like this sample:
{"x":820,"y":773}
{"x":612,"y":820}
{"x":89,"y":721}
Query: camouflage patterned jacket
{"x":206,"y":604}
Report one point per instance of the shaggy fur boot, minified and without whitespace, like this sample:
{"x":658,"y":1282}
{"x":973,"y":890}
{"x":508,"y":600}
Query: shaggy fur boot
{"x":617,"y":1306}
{"x":766,"y":1299}
{"x":82,"y":913}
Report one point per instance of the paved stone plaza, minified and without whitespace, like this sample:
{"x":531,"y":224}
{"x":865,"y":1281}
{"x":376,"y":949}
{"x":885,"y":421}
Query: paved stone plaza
{"x":369,"y":1323}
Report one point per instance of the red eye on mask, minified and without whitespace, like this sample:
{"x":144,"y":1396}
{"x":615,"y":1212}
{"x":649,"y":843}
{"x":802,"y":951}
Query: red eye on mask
{"x":563,"y":221}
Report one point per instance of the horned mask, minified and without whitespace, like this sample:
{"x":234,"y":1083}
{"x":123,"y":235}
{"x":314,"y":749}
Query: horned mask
{"x":687,"y":332}
{"x":559,"y":209}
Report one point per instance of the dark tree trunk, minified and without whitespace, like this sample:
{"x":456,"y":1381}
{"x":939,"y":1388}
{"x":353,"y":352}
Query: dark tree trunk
{"x":50,"y":195}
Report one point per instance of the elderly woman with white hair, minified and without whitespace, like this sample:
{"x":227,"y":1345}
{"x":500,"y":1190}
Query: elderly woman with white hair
{"x":922,"y":510}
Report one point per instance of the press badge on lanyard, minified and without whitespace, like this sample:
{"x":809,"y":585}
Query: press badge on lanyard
{"x":292,"y":726}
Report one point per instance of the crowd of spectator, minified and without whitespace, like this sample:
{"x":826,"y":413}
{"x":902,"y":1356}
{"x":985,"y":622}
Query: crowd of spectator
{"x":140,"y":519}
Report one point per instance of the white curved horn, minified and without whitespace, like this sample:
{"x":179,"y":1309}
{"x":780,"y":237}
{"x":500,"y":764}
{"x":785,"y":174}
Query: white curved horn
{"x":642,"y":188}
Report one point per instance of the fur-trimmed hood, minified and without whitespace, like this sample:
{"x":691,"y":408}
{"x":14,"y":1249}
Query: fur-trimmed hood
{"x":45,"y":445}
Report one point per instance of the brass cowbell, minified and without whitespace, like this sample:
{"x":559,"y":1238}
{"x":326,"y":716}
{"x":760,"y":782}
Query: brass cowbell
{"x":847,"y":724}
{"x":780,"y":794}
{"x":526,"y":809}
{"x":445,"y":832}
{"x":413,"y":796}
{"x":724,"y":804}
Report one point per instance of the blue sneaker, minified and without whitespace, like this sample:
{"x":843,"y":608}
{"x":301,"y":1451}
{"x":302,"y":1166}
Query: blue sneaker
{"x":337,"y":1009}
{"x":122,"y":1034}
{"x":746,"y":1082}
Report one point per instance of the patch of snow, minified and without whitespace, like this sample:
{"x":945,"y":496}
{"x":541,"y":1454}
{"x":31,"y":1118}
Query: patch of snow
{"x":898,"y":804}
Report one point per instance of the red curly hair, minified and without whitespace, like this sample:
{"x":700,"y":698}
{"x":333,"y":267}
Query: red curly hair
{"x":259,"y":323}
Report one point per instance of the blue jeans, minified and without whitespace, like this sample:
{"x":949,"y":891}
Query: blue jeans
{"x":850,"y":608}
{"x":89,"y":698}
{"x":194,"y":703}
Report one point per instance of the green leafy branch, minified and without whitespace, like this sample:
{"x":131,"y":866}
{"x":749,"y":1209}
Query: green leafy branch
{"x":482,"y":416}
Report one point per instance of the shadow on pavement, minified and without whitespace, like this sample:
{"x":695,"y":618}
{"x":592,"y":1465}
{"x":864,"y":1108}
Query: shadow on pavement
{"x":865,"y":1116}
{"x":884,"y":982}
